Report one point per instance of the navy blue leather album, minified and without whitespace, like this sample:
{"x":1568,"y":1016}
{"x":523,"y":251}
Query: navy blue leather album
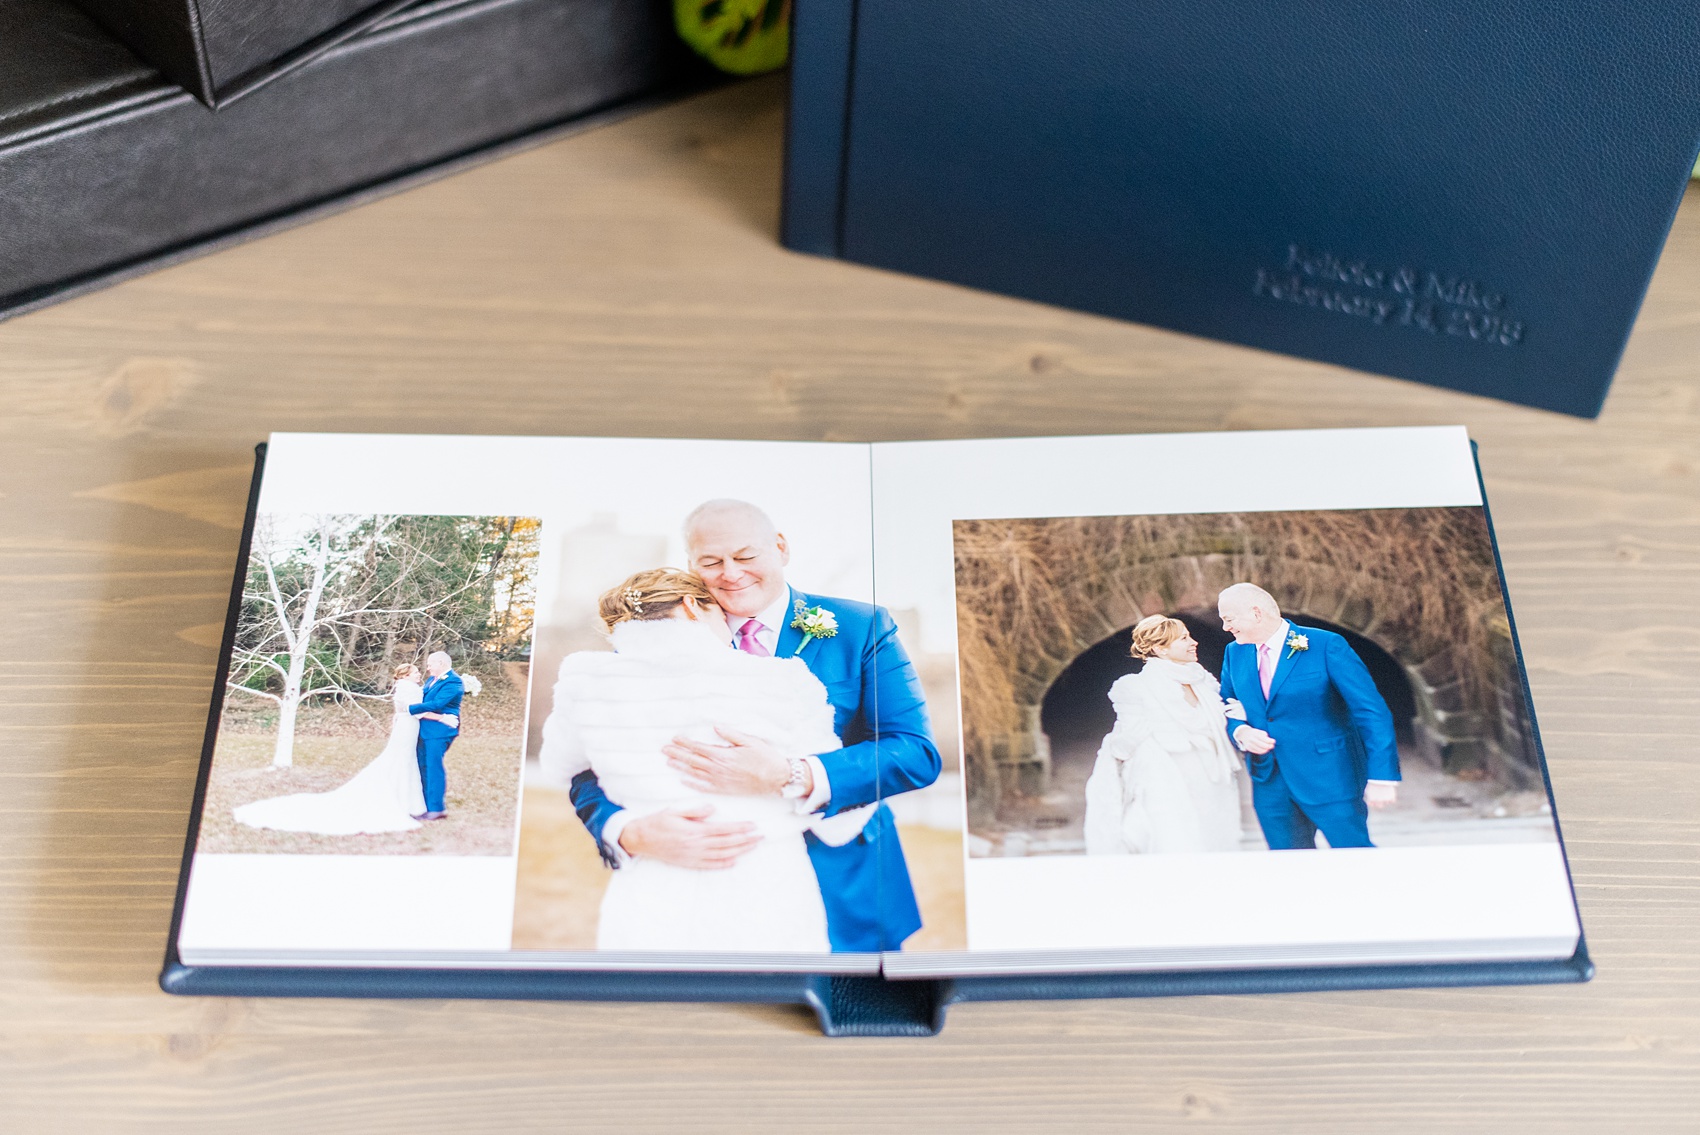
{"x":757,"y":721}
{"x":1469,"y":193}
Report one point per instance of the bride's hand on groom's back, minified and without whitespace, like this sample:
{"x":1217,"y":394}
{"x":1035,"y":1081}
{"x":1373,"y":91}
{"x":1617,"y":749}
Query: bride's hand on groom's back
{"x":685,"y":836}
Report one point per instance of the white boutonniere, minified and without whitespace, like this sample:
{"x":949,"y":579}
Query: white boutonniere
{"x":1296,"y":643}
{"x":814,"y":622}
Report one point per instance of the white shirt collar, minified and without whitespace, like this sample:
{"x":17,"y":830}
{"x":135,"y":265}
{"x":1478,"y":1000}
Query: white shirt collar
{"x":772,"y":617}
{"x":1275,"y":641}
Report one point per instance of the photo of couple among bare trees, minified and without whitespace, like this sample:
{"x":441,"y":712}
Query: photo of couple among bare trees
{"x":375,"y":702}
{"x":1230,"y":682}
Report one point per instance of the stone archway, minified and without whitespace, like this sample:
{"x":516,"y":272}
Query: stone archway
{"x":1075,"y":712}
{"x":1035,"y":595}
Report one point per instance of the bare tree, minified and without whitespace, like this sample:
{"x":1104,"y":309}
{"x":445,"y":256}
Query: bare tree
{"x":295,"y":616}
{"x":315,"y":591}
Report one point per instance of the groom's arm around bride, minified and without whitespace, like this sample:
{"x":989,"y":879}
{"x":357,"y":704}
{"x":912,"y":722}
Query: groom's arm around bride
{"x":879,"y":714}
{"x":888,"y":749}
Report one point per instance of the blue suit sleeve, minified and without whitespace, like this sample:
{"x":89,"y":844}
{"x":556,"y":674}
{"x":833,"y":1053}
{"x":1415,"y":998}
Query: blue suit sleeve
{"x":1227,"y":691}
{"x":902,"y":756}
{"x":1368,"y":709}
{"x":594,"y":810}
{"x":442,"y":696}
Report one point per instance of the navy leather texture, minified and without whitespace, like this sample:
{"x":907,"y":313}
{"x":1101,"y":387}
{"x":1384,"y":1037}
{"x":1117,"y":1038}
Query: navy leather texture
{"x":844,"y":1005}
{"x":815,"y":128}
{"x":1471,"y":193}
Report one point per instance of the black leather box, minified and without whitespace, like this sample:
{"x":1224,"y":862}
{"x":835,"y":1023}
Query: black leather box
{"x":107,"y":168}
{"x":222,"y":49}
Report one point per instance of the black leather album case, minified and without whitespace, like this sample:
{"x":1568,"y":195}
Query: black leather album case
{"x":1469,"y":193}
{"x":1250,"y":723}
{"x":221,"y":50}
{"x":108,"y":168}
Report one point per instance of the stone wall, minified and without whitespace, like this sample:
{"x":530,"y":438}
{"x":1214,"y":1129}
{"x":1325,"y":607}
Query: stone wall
{"x":1034,"y":595}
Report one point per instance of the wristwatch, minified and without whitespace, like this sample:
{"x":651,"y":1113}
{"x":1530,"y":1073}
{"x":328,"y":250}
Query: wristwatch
{"x":792,"y":789}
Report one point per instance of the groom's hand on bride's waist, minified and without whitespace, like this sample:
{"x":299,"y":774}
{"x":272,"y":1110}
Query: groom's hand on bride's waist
{"x":744,"y":765}
{"x":686,"y":837}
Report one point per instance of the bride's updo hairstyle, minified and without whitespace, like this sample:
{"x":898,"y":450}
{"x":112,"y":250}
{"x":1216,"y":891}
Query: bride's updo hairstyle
{"x":652,"y":594}
{"x":405,"y":670}
{"x":1153,"y":633}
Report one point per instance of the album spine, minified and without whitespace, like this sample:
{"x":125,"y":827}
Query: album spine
{"x":817,"y":128}
{"x":171,"y":974}
{"x":843,"y":1004}
{"x":1581,"y":956}
{"x":1194,"y":983}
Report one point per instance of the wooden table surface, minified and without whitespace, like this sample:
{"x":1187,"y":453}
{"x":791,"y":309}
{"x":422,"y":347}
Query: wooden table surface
{"x":627,"y":281}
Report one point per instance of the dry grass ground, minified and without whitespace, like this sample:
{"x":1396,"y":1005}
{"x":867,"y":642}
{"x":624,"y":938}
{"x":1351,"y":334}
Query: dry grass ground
{"x":561,"y":879}
{"x":482,"y":796}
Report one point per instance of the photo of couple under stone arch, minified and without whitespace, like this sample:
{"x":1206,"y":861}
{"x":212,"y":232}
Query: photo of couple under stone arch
{"x":375,"y":702}
{"x":1241,"y":682}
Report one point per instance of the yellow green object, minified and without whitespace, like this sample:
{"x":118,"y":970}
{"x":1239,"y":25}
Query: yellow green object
{"x":743,"y":37}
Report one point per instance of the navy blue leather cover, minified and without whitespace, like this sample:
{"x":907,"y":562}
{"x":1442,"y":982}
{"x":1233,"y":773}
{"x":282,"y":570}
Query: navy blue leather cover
{"x":1471,"y":193}
{"x":845,"y":1005}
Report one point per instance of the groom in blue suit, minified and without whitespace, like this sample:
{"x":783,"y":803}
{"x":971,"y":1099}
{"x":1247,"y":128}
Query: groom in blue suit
{"x":874,"y":692}
{"x":1317,"y":735}
{"x":442,"y":696}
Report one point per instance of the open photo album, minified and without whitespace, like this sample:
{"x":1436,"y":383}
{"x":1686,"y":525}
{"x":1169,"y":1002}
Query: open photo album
{"x":638,"y":717}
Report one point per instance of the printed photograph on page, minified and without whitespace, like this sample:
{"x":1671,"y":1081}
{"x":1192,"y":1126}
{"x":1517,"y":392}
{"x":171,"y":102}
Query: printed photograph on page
{"x":714,"y":669}
{"x":1240,"y":681}
{"x":376,"y":698}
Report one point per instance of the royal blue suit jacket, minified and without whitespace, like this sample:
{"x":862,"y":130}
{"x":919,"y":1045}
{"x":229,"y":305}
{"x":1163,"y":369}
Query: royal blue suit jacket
{"x":1333,"y":731}
{"x":442,"y":695}
{"x":881,"y":716}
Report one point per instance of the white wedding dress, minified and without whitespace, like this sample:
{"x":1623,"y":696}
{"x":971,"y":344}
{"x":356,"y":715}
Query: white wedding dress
{"x":1166,"y":775}
{"x":382,"y":797}
{"x":614,"y":712}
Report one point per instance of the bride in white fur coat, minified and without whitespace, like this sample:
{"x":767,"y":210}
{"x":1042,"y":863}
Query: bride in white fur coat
{"x":673,"y":673}
{"x":1166,"y":776}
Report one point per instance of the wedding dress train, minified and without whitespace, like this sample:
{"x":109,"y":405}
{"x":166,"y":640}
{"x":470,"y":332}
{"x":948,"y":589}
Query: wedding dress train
{"x":382,"y":797}
{"x":614,"y":712}
{"x":1165,"y":779}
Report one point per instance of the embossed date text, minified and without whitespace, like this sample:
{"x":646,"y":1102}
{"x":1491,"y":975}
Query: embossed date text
{"x":1402,"y":297}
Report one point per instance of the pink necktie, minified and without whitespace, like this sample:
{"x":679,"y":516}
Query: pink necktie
{"x":750,"y":644}
{"x":1265,"y":667}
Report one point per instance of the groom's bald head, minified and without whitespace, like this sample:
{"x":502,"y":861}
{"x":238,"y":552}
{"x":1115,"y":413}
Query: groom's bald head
{"x":740,"y":554}
{"x":1248,"y":612}
{"x":726,"y":510}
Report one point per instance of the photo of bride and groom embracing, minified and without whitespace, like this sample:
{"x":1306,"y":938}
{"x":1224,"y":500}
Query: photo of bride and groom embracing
{"x":731,"y":754}
{"x":1278,"y":680}
{"x":1295,"y":704}
{"x":404,"y":784}
{"x":375,"y":703}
